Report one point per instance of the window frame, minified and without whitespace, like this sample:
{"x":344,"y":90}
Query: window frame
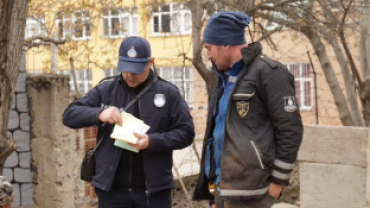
{"x":69,"y":30}
{"x":29,"y":30}
{"x":302,"y":79}
{"x":182,"y":11}
{"x":130,"y":12}
{"x":187,"y":81}
{"x":87,"y":84}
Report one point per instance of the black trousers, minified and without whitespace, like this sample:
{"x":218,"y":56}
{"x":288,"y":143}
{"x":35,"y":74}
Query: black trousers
{"x":135,"y":199}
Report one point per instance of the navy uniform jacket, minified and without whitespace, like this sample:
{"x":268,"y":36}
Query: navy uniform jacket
{"x":171,"y":127}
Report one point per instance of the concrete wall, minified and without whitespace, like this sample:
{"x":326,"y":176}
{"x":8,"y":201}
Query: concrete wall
{"x":55,"y":159}
{"x":333,"y":167}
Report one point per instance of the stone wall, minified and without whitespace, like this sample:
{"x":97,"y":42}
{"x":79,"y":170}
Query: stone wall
{"x":333,"y":167}
{"x":55,"y":157}
{"x":18,"y":165}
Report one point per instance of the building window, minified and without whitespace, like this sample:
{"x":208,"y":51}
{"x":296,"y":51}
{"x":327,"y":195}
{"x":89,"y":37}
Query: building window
{"x":75,"y":25}
{"x":182,"y":77}
{"x":171,"y":19}
{"x":303,"y":84}
{"x":35,"y":27}
{"x":83,"y":78}
{"x":110,"y":72}
{"x":120,"y":22}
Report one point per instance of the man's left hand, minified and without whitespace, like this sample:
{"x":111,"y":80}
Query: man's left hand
{"x":143,"y":142}
{"x":275,"y":190}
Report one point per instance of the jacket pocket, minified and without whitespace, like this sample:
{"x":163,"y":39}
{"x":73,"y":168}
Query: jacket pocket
{"x":258,"y":153}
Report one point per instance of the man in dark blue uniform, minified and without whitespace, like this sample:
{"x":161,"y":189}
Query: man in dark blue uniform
{"x":125,"y":179}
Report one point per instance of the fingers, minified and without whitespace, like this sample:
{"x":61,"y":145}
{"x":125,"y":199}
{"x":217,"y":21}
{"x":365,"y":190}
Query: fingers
{"x":111,"y":115}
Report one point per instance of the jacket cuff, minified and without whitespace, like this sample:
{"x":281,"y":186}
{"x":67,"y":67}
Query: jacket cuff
{"x":281,"y":172}
{"x":151,"y":143}
{"x":97,"y":122}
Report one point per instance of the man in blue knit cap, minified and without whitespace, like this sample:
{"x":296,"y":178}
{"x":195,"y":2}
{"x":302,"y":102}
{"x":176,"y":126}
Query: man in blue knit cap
{"x":254,"y":128}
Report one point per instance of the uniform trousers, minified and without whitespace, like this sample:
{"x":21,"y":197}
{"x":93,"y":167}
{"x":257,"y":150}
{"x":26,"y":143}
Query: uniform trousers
{"x":134,"y":199}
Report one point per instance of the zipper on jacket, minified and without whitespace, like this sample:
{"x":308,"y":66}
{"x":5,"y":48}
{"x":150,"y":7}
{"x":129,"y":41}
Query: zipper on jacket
{"x":111,"y":168}
{"x":258,"y":153}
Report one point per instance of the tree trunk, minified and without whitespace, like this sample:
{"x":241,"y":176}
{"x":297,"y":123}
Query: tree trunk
{"x":365,"y":60}
{"x":348,"y":83}
{"x":331,"y":78}
{"x":197,"y":13}
{"x":12,"y":24}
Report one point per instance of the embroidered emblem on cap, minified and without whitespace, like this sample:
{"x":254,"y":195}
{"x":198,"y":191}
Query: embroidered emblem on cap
{"x":242,"y":108}
{"x":159,"y":100}
{"x":290,"y":104}
{"x":132,"y":52}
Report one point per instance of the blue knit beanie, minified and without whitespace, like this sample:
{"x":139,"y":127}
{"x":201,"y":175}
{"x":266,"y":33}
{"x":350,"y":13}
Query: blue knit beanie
{"x":226,"y":28}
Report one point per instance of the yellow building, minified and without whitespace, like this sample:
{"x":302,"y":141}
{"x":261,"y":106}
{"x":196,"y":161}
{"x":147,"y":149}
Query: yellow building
{"x":94,"y":29}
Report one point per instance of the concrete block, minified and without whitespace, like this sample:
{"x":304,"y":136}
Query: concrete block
{"x":22,"y":102}
{"x":8,"y":174}
{"x":13,"y":122}
{"x":23,"y":140}
{"x":337,"y":186}
{"x":17,"y":195}
{"x":25,"y":121}
{"x":13,"y":103}
{"x":22,"y":175}
{"x":12,"y":160}
{"x":334,"y":145}
{"x":26,"y":194}
{"x":25,"y":159}
{"x":21,"y":83}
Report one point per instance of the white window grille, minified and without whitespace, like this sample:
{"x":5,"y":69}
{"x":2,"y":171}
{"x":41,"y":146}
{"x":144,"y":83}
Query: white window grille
{"x":118,"y":23}
{"x":35,"y":27}
{"x":83,"y":78}
{"x":303,"y":82}
{"x":110,"y":72}
{"x":75,"y":25}
{"x":171,"y":19}
{"x":182,"y":77}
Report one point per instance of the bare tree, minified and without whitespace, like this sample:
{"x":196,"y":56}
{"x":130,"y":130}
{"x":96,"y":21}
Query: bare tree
{"x":324,"y":23}
{"x":12,"y":23}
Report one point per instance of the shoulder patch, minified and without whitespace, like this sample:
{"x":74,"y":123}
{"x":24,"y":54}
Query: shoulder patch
{"x":273,"y":64}
{"x":109,"y":79}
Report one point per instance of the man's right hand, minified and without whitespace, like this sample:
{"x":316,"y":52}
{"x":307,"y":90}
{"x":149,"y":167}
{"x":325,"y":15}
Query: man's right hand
{"x":213,"y":206}
{"x":110,"y":115}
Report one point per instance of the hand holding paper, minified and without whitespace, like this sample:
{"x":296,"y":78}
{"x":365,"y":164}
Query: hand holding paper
{"x":125,"y":132}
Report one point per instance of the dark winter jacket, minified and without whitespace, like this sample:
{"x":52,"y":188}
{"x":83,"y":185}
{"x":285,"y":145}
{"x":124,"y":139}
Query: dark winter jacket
{"x":171,"y":127}
{"x":263,"y":130}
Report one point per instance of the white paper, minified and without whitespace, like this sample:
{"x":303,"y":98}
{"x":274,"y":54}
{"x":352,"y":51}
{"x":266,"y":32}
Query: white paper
{"x":125,"y":134}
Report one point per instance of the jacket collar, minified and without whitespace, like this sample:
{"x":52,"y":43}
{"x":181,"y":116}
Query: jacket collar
{"x":140,"y":86}
{"x":251,"y":52}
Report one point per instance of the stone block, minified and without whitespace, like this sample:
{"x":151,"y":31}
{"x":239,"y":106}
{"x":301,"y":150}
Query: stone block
{"x":13,"y":103}
{"x":23,"y":140}
{"x":9,"y":134}
{"x":22,"y":102}
{"x":8,"y":174}
{"x":21,"y":83}
{"x":25,"y":121}
{"x":12,"y":160}
{"x":22,"y":175}
{"x":17,"y":195}
{"x":26,"y":194}
{"x":13,"y":122}
{"x":337,"y":186}
{"x":25,"y":159}
{"x":334,"y":145}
